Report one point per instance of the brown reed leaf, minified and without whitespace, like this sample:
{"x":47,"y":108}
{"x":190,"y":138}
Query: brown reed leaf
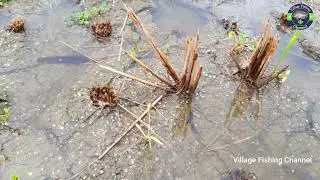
{"x":162,"y":57}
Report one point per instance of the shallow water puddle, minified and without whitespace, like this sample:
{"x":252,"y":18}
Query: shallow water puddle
{"x":49,"y":101}
{"x":180,"y":14}
{"x":251,"y":15}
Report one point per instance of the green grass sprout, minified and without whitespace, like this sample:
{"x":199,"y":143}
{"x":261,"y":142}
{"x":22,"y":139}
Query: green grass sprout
{"x":284,"y":76}
{"x":243,"y":39}
{"x":5,"y":116}
{"x":83,"y":18}
{"x":3,"y":2}
{"x":14,"y":177}
{"x":294,"y":38}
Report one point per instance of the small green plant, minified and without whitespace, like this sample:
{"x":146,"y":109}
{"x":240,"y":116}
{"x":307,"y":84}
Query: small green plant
{"x":133,"y":52}
{"x":136,"y":46}
{"x":3,"y":2}
{"x":83,"y":18}
{"x":283,"y":76}
{"x":5,"y":116}
{"x":167,"y":49}
{"x":14,"y":177}
{"x":243,"y":39}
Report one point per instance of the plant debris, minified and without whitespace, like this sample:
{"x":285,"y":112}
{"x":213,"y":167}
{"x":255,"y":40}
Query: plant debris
{"x":102,"y":96}
{"x":283,"y":24}
{"x":187,"y":82}
{"x":253,"y":69}
{"x":230,"y":26}
{"x":101,"y":27}
{"x":239,"y":174}
{"x":17,"y":24}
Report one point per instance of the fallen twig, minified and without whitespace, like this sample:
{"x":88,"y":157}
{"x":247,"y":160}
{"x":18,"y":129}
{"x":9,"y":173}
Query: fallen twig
{"x":147,"y":69}
{"x":120,"y":137}
{"x":141,"y":121}
{"x":234,"y":143}
{"x":121,"y":36}
{"x":162,"y":57}
{"x":118,"y":72}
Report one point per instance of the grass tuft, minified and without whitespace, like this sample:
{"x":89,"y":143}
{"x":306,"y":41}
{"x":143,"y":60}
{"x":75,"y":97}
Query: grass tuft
{"x":3,"y":2}
{"x":5,"y":116}
{"x":84,"y":18}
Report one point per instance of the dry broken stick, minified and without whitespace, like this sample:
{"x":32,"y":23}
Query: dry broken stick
{"x":120,"y":137}
{"x":253,"y":70}
{"x":145,"y":82}
{"x":189,"y":78}
{"x":192,"y":70}
{"x":162,"y":57}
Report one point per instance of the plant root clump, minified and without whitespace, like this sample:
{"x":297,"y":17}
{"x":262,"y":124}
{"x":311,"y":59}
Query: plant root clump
{"x":17,"y":24}
{"x":101,"y":27}
{"x":102,"y":96}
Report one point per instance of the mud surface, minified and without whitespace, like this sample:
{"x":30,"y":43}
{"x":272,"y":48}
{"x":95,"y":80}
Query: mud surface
{"x":47,"y":87}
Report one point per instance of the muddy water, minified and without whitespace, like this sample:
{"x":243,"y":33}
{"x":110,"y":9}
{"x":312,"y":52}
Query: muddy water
{"x":50,"y":101}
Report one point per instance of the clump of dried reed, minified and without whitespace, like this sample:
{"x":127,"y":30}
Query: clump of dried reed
{"x":252,"y":71}
{"x":188,"y":79}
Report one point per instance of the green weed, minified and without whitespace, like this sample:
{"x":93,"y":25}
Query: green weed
{"x":133,"y":52}
{"x":5,"y":116}
{"x":294,"y":38}
{"x":14,"y":177}
{"x":3,"y":2}
{"x":243,"y":39}
{"x":83,"y":18}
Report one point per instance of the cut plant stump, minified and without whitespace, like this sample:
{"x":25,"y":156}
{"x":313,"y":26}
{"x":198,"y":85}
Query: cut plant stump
{"x":253,"y":70}
{"x":187,"y":82}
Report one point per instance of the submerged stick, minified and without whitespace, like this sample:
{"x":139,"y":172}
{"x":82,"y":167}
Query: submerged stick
{"x":141,"y":121}
{"x":120,"y":137}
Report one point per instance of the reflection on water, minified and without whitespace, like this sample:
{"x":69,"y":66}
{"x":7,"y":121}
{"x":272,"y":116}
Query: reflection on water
{"x":242,"y":100}
{"x":183,"y":119}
